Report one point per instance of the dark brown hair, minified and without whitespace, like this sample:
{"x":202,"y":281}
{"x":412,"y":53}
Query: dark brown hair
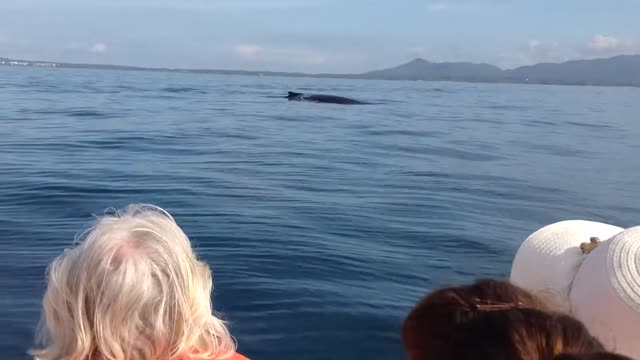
{"x":592,"y":356}
{"x":428,"y":328}
{"x":521,"y":334}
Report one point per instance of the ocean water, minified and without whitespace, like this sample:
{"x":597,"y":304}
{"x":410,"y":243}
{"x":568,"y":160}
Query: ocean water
{"x":323,"y":223}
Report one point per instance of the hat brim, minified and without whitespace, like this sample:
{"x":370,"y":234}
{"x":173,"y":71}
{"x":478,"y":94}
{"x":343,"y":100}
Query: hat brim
{"x":605,"y":294}
{"x":547,"y":261}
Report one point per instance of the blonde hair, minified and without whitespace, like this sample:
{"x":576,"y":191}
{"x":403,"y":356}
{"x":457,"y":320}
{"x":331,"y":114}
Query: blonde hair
{"x":133,"y":289}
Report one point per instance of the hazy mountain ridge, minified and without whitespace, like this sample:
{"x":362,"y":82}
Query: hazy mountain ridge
{"x":619,"y":70}
{"x":622,"y":70}
{"x":420,"y":69}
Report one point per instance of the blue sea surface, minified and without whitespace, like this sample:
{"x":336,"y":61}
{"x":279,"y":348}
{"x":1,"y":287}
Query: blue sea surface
{"x":323,"y":223}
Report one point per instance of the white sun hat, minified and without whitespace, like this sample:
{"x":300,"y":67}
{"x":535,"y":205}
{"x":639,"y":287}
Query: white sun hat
{"x":606,"y":293}
{"x":547,"y":261}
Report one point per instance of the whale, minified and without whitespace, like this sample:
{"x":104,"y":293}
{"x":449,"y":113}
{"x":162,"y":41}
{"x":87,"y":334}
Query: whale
{"x":321,"y":98}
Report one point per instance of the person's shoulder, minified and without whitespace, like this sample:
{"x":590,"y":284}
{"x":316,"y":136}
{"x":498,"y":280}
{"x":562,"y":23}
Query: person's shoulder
{"x":237,"y":356}
{"x":234,"y":356}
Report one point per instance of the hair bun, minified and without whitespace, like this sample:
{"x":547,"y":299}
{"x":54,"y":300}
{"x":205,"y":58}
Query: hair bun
{"x":591,"y":356}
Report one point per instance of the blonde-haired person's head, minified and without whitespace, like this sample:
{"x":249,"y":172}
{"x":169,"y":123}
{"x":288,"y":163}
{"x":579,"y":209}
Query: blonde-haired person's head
{"x":132,"y":289}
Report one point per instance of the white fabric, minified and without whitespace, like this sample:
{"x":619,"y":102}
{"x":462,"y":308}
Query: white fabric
{"x":547,"y":261}
{"x":606,"y":293}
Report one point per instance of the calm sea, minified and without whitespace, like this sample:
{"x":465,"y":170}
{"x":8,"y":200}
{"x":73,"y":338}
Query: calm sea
{"x":323,"y":223}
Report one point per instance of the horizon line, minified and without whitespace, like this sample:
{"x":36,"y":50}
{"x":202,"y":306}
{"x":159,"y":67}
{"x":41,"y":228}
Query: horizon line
{"x":137,"y":67}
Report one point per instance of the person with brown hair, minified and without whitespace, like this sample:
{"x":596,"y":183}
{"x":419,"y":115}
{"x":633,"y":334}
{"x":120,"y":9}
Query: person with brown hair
{"x":429,"y":327}
{"x":592,"y":356}
{"x":518,"y":333}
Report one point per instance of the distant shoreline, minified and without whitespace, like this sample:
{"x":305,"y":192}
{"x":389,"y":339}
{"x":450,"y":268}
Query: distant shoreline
{"x":618,"y":71}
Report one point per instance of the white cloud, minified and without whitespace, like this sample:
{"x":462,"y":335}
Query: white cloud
{"x":243,"y":4}
{"x":160,"y":4}
{"x":280,"y":55}
{"x":247,"y":51}
{"x":536,"y":45}
{"x":537,"y":51}
{"x":438,"y":6}
{"x":276,"y":58}
{"x":604,"y":43}
{"x":298,"y":56}
{"x":611,"y":45}
{"x":416,"y":51}
{"x":98,"y":48}
{"x":544,"y":50}
{"x":533,"y":52}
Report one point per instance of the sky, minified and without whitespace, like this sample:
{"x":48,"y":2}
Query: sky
{"x":340,"y":36}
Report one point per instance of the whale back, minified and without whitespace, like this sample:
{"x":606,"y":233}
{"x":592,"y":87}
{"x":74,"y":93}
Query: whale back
{"x":331,"y":99}
{"x":293,"y":95}
{"x":322,"y":98}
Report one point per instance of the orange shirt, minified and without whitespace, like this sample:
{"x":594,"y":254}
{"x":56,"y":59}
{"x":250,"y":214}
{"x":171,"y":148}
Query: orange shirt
{"x":238,"y":356}
{"x":235,"y":356}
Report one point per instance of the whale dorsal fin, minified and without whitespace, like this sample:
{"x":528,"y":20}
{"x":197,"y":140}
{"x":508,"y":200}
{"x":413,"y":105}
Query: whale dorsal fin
{"x":294,"y":95}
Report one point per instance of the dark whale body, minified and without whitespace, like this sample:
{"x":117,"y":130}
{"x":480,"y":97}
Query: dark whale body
{"x":320,"y":98}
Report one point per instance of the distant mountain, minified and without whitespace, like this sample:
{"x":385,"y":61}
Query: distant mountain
{"x":623,"y":70}
{"x":618,"y":70}
{"x":420,"y":69}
